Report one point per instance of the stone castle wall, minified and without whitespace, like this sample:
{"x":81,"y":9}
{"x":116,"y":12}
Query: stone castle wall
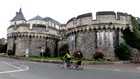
{"x":102,"y":34}
{"x":20,"y":38}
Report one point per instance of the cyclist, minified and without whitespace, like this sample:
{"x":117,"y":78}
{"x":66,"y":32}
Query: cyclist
{"x":79,"y":57}
{"x":67,"y":58}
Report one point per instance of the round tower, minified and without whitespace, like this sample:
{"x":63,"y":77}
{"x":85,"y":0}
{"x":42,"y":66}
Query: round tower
{"x":32,"y":35}
{"x":102,"y":34}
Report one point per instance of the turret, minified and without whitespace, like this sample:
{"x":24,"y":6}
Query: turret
{"x":19,"y":18}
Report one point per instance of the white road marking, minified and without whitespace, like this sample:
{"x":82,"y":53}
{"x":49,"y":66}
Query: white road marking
{"x":18,"y":69}
{"x":138,"y":68}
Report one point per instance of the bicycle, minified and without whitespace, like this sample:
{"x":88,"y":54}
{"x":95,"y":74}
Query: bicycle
{"x":79,"y":66}
{"x":64,"y":63}
{"x":72,"y":65}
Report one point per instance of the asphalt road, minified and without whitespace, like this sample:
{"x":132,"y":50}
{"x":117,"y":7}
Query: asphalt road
{"x":19,"y":69}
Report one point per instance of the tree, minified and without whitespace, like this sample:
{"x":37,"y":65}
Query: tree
{"x":3,"y":48}
{"x":132,"y":38}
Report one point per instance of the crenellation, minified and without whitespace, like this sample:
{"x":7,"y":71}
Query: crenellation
{"x":70,"y":20}
{"x":107,"y":17}
{"x":105,"y":13}
{"x":86,"y":20}
{"x":84,"y":15}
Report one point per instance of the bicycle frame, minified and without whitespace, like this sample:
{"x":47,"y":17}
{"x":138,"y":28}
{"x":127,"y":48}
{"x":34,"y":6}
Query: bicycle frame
{"x":73,"y":65}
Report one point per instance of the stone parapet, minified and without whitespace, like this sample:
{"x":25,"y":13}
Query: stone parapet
{"x":42,"y":29}
{"x":105,"y":19}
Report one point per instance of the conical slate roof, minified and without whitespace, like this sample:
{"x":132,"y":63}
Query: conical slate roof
{"x":37,"y":18}
{"x":19,"y":16}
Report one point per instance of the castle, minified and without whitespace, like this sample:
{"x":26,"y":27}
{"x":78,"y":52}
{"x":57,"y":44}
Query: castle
{"x":103,"y":34}
{"x":82,"y":32}
{"x":32,"y":35}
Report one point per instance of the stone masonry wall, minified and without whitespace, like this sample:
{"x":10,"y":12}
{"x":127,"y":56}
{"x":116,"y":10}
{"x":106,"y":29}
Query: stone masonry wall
{"x":91,"y":41}
{"x":10,"y":43}
{"x":34,"y":45}
{"x":84,"y":42}
{"x":52,"y":45}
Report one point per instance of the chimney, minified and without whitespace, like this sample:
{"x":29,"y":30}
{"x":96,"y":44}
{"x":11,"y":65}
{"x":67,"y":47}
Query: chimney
{"x":17,"y":13}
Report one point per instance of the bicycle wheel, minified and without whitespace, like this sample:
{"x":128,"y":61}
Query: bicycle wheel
{"x":81,"y":67}
{"x":71,"y":65}
{"x":62,"y":65}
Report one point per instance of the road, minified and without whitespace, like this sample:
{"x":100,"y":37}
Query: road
{"x":19,"y":69}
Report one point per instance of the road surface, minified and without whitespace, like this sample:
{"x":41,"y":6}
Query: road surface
{"x":19,"y":69}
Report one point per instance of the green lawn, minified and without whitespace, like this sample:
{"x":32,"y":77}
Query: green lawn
{"x":38,"y":58}
{"x":59,"y":59}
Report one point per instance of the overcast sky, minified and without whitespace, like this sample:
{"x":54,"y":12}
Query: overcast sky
{"x":61,"y":10}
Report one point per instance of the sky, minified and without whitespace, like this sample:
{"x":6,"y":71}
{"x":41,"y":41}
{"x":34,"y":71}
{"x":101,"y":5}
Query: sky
{"x":61,"y":10}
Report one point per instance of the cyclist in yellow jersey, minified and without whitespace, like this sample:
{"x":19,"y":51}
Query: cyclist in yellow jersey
{"x":68,"y":57}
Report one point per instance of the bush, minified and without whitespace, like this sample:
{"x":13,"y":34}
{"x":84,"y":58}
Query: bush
{"x":10,"y":52}
{"x":98,"y":55}
{"x":62,"y":49}
{"x":123,"y":52}
{"x":47,"y":52}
